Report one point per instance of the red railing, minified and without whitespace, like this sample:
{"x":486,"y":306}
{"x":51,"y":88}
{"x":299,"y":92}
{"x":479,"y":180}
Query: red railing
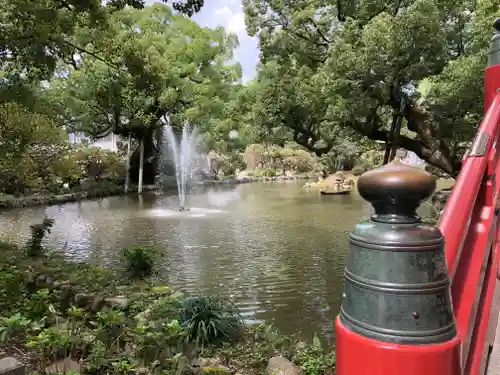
{"x":470,"y":226}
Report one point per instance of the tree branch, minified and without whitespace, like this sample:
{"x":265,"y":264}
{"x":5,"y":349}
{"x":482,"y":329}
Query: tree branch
{"x":83,"y":50}
{"x":328,"y":41}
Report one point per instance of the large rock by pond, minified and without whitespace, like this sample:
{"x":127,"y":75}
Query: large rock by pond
{"x":281,"y":366}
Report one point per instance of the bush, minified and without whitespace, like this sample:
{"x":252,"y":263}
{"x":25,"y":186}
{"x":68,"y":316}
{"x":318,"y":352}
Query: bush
{"x":313,"y":360}
{"x":38,"y":232}
{"x":269,"y":172}
{"x":140,"y":260}
{"x":210,"y":320}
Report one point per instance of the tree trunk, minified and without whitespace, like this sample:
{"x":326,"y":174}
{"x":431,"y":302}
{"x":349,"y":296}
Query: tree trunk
{"x":141,"y":166}
{"x":127,"y":170}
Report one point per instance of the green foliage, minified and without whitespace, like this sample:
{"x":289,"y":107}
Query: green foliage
{"x":216,"y":371}
{"x":140,"y":260}
{"x":96,"y":163}
{"x":257,"y":345}
{"x":53,"y":26}
{"x":210,"y":320}
{"x":333,"y":72}
{"x":313,"y":360}
{"x":166,"y":64}
{"x":34,"y":246}
{"x":268,"y":160}
{"x":159,"y":335}
{"x":29,"y":142}
{"x":35,"y":156}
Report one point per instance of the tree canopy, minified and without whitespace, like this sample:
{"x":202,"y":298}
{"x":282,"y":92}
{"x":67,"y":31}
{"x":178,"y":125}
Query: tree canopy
{"x":334,"y":69}
{"x":36,"y":35}
{"x":163,"y":65}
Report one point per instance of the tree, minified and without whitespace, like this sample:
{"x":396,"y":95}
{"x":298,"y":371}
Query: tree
{"x":346,"y":69}
{"x":36,"y":35}
{"x":28,"y":143}
{"x":166,"y":67}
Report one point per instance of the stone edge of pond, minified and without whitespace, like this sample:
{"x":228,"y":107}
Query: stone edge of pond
{"x":9,"y":202}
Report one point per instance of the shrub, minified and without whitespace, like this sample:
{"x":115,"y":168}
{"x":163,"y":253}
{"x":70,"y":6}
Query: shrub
{"x":313,"y":360}
{"x":140,"y":260}
{"x":38,"y":232}
{"x":269,"y":172}
{"x":210,"y":320}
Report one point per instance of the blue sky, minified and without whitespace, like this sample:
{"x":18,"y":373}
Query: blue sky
{"x":229,"y":14}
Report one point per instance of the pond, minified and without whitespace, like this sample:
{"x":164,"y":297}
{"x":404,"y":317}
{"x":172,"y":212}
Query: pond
{"x":274,"y":248}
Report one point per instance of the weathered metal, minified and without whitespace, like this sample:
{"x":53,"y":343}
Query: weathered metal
{"x":396,"y":317}
{"x":396,"y":281}
{"x":494,"y":56}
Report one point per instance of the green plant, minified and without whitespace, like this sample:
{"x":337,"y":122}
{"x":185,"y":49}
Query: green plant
{"x":313,"y":360}
{"x":157,"y":339}
{"x":257,"y":344}
{"x":38,"y":303}
{"x":52,"y":342}
{"x":210,"y":320}
{"x":34,"y":246}
{"x":12,"y":326}
{"x":140,"y":260}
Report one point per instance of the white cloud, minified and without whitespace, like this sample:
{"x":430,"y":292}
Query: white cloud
{"x":237,"y":23}
{"x":224,"y":12}
{"x":234,"y":20}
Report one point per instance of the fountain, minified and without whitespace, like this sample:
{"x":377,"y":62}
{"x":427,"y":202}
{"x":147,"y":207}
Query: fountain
{"x":184,"y":156}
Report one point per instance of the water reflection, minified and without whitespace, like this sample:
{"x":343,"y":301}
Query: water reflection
{"x":276,"y":249}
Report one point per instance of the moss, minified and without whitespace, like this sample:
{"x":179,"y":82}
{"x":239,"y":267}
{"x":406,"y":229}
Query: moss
{"x":161,"y":289}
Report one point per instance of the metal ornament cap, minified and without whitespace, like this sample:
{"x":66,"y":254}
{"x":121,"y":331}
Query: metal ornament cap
{"x":494,"y":55}
{"x":396,"y":191}
{"x":396,"y":281}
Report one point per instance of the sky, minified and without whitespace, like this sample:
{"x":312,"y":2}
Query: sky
{"x":229,"y":14}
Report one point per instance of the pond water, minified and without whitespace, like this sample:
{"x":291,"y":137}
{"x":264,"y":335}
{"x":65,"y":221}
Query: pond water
{"x":275,"y":248}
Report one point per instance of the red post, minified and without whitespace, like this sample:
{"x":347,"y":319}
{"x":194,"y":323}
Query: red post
{"x":397,"y":316}
{"x":492,"y":72}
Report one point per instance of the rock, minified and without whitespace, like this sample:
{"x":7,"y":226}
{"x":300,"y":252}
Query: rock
{"x":11,"y":366}
{"x":60,"y":283}
{"x":97,"y":304}
{"x":82,"y":300}
{"x":118,"y":301}
{"x":281,"y":366}
{"x":143,"y":315}
{"x":300,"y":345}
{"x":49,"y":281}
{"x":40,"y":280}
{"x":63,"y":366}
{"x":206,"y":362}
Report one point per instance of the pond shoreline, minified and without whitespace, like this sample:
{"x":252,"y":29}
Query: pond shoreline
{"x":11,"y":202}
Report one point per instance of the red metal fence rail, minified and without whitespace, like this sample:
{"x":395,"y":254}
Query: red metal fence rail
{"x":470,"y":227}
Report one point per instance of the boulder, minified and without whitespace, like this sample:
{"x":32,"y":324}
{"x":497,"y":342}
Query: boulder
{"x":118,"y":301}
{"x":281,"y":366}
{"x":63,"y":366}
{"x":11,"y":366}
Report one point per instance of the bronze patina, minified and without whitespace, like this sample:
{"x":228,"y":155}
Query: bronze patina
{"x":396,"y":281}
